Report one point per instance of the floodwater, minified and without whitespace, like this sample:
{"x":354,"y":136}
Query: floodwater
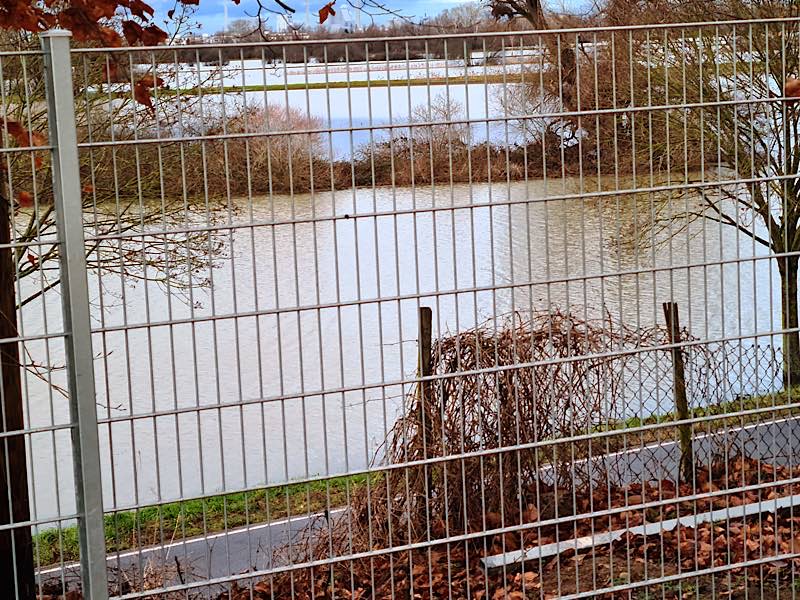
{"x":328,"y":287}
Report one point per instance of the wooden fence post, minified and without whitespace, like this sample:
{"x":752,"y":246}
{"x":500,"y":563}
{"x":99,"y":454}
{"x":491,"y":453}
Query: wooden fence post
{"x":424,"y":343}
{"x":679,"y":384}
{"x":425,"y":334}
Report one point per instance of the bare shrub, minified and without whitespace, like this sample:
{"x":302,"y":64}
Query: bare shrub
{"x":436,"y":147}
{"x":259,"y":154}
{"x":272,"y":159}
{"x":440,"y":125}
{"x":484,"y":439}
{"x":528,"y":383}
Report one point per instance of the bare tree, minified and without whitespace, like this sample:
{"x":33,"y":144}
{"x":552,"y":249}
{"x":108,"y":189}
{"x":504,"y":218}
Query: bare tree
{"x":530,"y":10}
{"x":440,"y":133}
{"x":127,"y":235}
{"x":741,"y":124}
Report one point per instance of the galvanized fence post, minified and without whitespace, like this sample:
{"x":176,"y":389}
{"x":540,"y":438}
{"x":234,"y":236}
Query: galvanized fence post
{"x":75,"y":305}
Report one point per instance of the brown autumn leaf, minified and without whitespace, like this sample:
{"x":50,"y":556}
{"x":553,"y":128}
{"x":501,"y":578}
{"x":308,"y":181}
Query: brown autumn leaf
{"x":151,"y":35}
{"x":792,"y":89}
{"x":511,"y":541}
{"x":720,"y":542}
{"x":85,"y":26}
{"x":24,"y":137}
{"x":261,"y":587}
{"x":531,"y":578}
{"x":326,"y":11}
{"x":500,"y":593}
{"x":141,"y":93}
{"x":140,"y":9}
{"x":493,"y":520}
{"x":142,"y":88}
{"x":89,"y":20}
{"x":24,"y":15}
{"x":24,"y":198}
{"x":17,"y":131}
{"x":531,"y":513}
{"x":151,"y":81}
{"x":704,"y":554}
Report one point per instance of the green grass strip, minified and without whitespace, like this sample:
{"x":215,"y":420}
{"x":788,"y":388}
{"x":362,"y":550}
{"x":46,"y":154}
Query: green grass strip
{"x":163,"y":523}
{"x":776,"y":400}
{"x":333,"y":85}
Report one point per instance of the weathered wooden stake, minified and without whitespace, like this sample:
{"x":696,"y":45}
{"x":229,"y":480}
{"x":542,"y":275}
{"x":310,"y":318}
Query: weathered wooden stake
{"x":425,"y":333}
{"x":679,"y":383}
{"x":424,"y":369}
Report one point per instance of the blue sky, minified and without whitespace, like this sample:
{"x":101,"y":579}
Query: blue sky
{"x":211,"y":13}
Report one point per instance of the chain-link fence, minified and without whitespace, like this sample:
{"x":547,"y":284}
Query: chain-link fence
{"x":498,"y":315}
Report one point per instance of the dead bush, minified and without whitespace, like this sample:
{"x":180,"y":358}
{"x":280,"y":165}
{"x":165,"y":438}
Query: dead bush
{"x":269,"y":156}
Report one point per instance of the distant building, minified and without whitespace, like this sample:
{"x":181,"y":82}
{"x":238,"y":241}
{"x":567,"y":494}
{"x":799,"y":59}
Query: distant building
{"x":344,"y":21}
{"x":196,"y":38}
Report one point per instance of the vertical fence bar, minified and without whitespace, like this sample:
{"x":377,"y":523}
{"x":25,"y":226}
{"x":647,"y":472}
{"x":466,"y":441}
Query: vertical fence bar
{"x":75,"y":305}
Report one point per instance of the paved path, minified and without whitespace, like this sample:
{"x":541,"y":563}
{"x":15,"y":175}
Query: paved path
{"x":775,"y":442}
{"x":218,"y":555}
{"x":243,"y":549}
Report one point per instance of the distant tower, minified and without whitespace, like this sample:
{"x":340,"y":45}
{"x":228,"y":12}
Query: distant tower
{"x":343,"y":20}
{"x":281,"y":24}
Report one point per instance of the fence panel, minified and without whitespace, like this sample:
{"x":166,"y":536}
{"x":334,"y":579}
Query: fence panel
{"x":381,"y":318}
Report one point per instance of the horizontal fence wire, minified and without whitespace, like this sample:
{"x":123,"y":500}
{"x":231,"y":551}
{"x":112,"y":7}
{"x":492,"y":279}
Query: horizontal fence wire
{"x":474,"y":35}
{"x":381,"y":317}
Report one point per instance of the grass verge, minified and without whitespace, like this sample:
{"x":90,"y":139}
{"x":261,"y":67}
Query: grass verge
{"x":713,"y":418}
{"x":333,"y":85}
{"x":777,"y":401}
{"x":162,"y":523}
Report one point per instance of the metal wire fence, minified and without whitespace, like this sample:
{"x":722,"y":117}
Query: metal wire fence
{"x":500,"y":315}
